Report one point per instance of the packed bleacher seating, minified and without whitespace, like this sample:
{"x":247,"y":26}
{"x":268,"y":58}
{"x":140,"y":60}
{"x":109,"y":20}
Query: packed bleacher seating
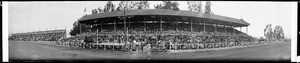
{"x":51,"y":35}
{"x":173,"y":36}
{"x":169,"y":35}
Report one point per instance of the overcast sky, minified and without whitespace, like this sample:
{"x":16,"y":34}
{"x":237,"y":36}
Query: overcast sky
{"x":35,"y":16}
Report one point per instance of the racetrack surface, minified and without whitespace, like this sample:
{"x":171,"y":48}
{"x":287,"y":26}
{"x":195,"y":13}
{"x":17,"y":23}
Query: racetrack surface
{"x":21,"y":50}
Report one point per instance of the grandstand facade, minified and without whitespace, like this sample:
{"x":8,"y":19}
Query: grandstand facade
{"x":164,"y":29}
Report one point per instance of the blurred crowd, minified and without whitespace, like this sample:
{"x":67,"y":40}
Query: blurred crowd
{"x":52,"y":35}
{"x":170,"y":36}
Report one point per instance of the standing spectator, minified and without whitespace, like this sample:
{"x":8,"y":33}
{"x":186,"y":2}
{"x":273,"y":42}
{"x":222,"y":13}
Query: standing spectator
{"x":148,"y":50}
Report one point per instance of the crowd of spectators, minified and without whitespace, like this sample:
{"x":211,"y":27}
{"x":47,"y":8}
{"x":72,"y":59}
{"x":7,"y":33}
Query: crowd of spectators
{"x":165,"y":37}
{"x":171,"y":33}
{"x":52,"y":35}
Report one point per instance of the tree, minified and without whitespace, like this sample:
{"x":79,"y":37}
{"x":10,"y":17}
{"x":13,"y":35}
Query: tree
{"x":100,"y":10}
{"x":167,"y":5}
{"x":141,"y":5}
{"x":195,"y":6}
{"x":94,"y":11}
{"x":278,"y":33}
{"x":268,"y":32}
{"x":76,"y":28}
{"x":109,"y":7}
{"x":128,"y":5}
{"x":208,"y":8}
{"x":158,"y":6}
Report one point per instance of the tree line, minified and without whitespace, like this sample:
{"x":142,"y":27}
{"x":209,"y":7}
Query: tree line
{"x":276,"y":34}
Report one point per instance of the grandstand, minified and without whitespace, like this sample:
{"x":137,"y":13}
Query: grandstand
{"x":168,"y":26}
{"x":48,"y":35}
{"x":164,"y":29}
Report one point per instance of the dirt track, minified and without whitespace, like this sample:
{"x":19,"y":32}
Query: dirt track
{"x":20,"y":50}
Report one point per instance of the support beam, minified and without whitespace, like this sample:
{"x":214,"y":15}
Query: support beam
{"x":225,"y":28}
{"x":215,"y":27}
{"x":232,"y":29}
{"x":176,"y":25}
{"x":79,"y":28}
{"x":160,"y":24}
{"x":115,"y":25}
{"x":191,"y":25}
{"x":125,"y":29}
{"x":97,"y":36}
{"x":247,"y":30}
{"x":204,"y":26}
{"x":145,"y":24}
{"x":101,"y":26}
{"x":128,"y":23}
{"x":241,"y":29}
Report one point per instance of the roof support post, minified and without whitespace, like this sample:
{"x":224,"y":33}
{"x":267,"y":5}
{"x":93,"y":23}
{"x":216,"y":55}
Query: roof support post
{"x":97,"y":36}
{"x":128,"y":23}
{"x":176,"y":25}
{"x":232,"y":29}
{"x":241,"y":29}
{"x":125,"y":29}
{"x":204,"y":26}
{"x":79,"y":28}
{"x":215,"y":27}
{"x":160,"y":24}
{"x":247,"y":30}
{"x":225,"y":28}
{"x":191,"y":25}
{"x":115,"y":25}
{"x":101,"y":26}
{"x":145,"y":24}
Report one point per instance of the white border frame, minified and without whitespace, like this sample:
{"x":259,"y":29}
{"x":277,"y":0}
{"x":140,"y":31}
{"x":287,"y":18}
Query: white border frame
{"x":5,"y":31}
{"x":294,"y":33}
{"x":294,"y":57}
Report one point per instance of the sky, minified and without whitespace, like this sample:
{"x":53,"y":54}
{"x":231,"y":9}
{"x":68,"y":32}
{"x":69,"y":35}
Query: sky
{"x":50,"y":15}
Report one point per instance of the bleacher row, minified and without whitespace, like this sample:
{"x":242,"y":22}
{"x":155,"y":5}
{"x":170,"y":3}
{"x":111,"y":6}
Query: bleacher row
{"x":50,"y":35}
{"x":170,"y":38}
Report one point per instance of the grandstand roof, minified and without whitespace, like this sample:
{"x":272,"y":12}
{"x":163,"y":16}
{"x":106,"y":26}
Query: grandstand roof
{"x":165,"y":12}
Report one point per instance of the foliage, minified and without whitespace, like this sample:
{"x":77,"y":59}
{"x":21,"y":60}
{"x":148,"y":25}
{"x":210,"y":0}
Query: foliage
{"x":278,"y":33}
{"x":109,"y":7}
{"x":100,"y":10}
{"x":125,"y":5}
{"x":94,"y":11}
{"x":76,"y":28}
{"x":208,"y":7}
{"x":167,"y":5}
{"x":141,"y":5}
{"x":268,"y":32}
{"x":194,"y":6}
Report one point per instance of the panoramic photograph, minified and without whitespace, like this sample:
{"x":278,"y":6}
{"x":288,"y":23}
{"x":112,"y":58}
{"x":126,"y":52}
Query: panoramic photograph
{"x":149,"y":30}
